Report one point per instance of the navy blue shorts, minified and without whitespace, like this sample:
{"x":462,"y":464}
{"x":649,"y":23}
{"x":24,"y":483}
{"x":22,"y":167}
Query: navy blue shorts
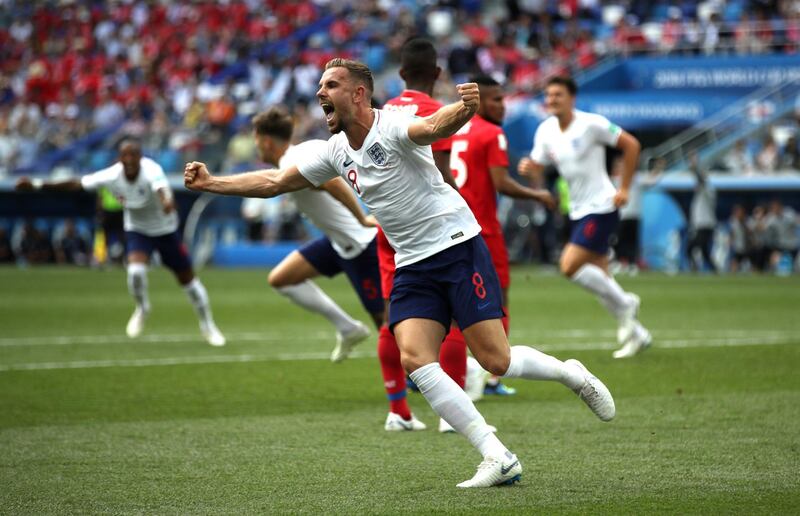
{"x":594,"y":231}
{"x":458,"y":283}
{"x":170,"y":246}
{"x":362,"y":271}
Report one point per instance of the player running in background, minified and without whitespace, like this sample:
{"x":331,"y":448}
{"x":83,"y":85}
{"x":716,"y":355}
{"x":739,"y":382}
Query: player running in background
{"x":348,"y":246}
{"x":574,"y":142}
{"x":151,"y":224}
{"x":444,"y":270}
{"x":420,"y":72}
{"x":479,"y":162}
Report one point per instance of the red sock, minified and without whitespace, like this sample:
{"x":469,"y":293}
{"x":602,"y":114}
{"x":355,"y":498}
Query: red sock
{"x":453,"y":356}
{"x":394,"y":377}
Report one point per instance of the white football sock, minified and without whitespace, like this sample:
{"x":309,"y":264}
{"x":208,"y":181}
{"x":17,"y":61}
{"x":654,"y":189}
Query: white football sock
{"x":453,"y":405}
{"x":308,"y":295}
{"x":199,"y":298}
{"x":592,"y":278}
{"x":532,"y":364}
{"x":137,"y":285}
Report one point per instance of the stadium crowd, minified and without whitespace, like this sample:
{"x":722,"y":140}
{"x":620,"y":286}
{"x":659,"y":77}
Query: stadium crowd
{"x":187,"y":75}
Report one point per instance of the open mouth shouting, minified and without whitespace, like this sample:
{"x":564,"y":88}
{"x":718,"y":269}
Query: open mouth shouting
{"x":329,"y":110}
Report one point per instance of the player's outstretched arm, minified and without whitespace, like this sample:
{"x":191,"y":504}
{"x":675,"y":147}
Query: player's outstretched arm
{"x":261,"y":183}
{"x":342,"y":193}
{"x":448,"y":119}
{"x":630,"y":148}
{"x":507,"y":185}
{"x":25,"y":184}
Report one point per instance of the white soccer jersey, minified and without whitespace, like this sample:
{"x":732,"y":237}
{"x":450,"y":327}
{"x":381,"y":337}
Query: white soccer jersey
{"x":143,"y":211}
{"x":348,"y":237}
{"x":399,"y":182}
{"x":580,"y":157}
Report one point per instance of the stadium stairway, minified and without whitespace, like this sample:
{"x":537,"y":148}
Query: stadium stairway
{"x":714,"y":136}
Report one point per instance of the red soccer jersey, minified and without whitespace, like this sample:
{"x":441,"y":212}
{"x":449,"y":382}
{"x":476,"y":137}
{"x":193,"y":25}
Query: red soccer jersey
{"x":477,"y":147}
{"x":417,"y":103}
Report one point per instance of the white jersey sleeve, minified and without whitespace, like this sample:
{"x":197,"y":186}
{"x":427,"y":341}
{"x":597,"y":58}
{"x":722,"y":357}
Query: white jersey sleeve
{"x":91,"y":182}
{"x":603,"y":131}
{"x":316,"y":166}
{"x":154,"y":175}
{"x":539,"y":151}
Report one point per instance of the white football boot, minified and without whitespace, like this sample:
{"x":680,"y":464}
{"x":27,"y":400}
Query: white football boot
{"x":594,"y":393}
{"x":136,"y":322}
{"x":639,"y":340}
{"x":346,"y":342}
{"x":496,"y":472}
{"x":445,"y":428}
{"x":212,"y":334}
{"x":395,"y":423}
{"x":475,"y":380}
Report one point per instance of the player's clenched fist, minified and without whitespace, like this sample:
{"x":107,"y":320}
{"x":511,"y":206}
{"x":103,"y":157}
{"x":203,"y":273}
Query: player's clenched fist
{"x":195,"y":175}
{"x":470,"y":95}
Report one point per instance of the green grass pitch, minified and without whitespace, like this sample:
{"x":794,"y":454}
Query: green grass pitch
{"x":708,"y":420}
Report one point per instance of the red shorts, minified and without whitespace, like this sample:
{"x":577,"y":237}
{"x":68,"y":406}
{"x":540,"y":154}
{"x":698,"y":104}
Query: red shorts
{"x":385,"y":263}
{"x":497,"y":248}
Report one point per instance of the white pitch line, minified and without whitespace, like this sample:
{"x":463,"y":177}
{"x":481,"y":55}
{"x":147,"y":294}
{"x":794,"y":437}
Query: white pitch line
{"x":66,"y":340}
{"x":287,"y":357}
{"x":170,"y":361}
{"x":320,"y":335}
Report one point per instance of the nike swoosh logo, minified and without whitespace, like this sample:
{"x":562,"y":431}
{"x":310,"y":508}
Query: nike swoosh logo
{"x":505,"y":469}
{"x":348,"y":163}
{"x":484,"y":305}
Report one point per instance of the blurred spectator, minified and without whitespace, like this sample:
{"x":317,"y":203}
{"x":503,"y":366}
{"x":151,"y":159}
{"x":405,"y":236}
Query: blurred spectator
{"x":222,"y":110}
{"x":627,"y":246}
{"x":760,"y":251}
{"x":739,"y":160}
{"x":108,"y":111}
{"x":8,"y":147}
{"x":34,"y":246}
{"x":790,"y":158}
{"x":70,"y":246}
{"x":253,"y":212}
{"x":241,"y":151}
{"x":782,"y":226}
{"x":702,"y":218}
{"x":767,"y":158}
{"x":6,"y":252}
{"x":741,"y":239}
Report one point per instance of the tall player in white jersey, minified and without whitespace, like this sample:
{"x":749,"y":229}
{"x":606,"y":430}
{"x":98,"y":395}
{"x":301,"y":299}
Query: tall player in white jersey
{"x":574,"y":142}
{"x":151,"y":223}
{"x":348,"y":245}
{"x":444,"y":270}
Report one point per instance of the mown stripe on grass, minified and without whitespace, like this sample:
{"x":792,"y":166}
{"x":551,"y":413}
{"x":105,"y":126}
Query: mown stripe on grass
{"x":283,"y":357}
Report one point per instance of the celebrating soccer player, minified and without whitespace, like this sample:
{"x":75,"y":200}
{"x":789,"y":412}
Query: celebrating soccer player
{"x":348,"y":246}
{"x":151,"y":224}
{"x":444,"y":270}
{"x":574,"y":142}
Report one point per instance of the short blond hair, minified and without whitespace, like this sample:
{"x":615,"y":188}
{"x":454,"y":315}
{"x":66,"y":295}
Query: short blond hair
{"x":359,"y":71}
